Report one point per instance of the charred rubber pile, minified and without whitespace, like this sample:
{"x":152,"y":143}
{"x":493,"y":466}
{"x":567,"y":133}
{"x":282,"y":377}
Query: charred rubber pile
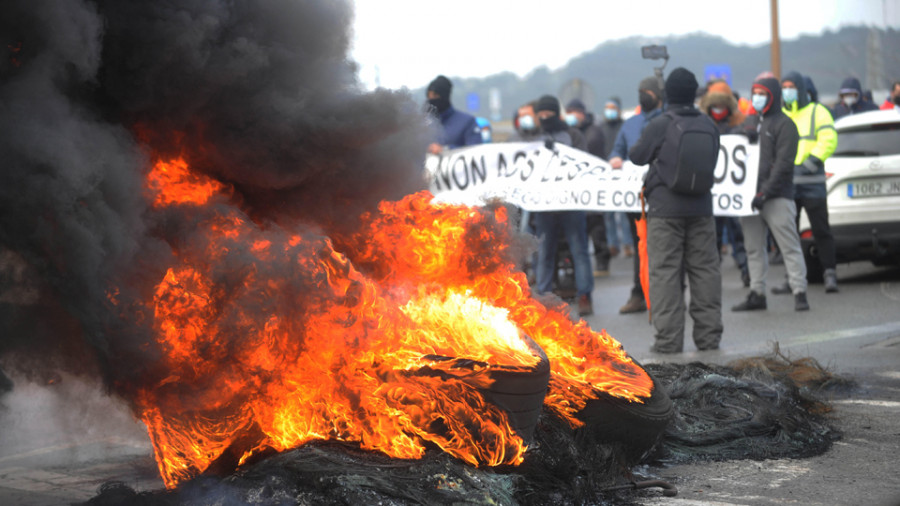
{"x":758,"y":408}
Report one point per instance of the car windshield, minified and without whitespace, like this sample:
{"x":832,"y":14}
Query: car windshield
{"x":869,"y":140}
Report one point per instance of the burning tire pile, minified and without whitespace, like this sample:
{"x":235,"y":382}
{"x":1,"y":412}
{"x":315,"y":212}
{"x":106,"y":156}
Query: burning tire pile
{"x":710,"y":419}
{"x":237,"y":237}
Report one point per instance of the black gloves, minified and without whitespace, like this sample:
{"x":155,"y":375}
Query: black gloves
{"x":812,"y":165}
{"x":549,"y":143}
{"x":758,"y":202}
{"x":752,"y":134}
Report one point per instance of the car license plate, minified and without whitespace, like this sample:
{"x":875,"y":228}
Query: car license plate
{"x":874,"y":188}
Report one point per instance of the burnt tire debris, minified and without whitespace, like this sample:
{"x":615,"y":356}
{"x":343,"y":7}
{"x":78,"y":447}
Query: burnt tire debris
{"x":749,"y":411}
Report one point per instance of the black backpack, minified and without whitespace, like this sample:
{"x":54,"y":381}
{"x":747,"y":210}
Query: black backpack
{"x":692,"y":145}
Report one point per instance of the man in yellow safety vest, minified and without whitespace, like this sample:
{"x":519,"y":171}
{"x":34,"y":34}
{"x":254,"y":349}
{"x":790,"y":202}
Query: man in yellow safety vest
{"x":818,"y":140}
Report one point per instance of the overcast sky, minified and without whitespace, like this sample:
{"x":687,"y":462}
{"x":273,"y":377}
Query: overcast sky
{"x":408,"y":42}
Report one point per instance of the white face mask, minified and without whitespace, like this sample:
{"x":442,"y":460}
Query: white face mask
{"x":849,"y":100}
{"x":759,"y":102}
{"x":526,"y":122}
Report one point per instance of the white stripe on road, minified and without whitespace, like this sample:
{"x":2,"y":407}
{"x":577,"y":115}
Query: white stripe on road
{"x":873,"y":402}
{"x":836,"y":335}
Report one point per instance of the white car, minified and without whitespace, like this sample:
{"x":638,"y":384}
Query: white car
{"x":863,"y":192}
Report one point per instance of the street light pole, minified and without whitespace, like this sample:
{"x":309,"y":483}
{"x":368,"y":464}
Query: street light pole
{"x":776,"y":41}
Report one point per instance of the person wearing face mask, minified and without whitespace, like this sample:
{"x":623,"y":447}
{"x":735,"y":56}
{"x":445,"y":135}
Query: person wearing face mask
{"x":681,"y":231}
{"x":457,"y":128}
{"x":577,"y":116}
{"x":618,"y":237}
{"x":818,"y":140}
{"x":851,"y":100}
{"x":650,"y":96}
{"x":573,"y":224}
{"x":774,"y":200}
{"x":720,"y":104}
{"x":893,"y":99}
{"x":526,"y":124}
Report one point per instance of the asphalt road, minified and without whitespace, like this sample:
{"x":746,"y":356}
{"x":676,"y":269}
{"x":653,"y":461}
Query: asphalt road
{"x":59,"y":443}
{"x":854,"y":333}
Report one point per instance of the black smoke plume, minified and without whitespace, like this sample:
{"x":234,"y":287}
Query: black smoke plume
{"x":259,"y":95}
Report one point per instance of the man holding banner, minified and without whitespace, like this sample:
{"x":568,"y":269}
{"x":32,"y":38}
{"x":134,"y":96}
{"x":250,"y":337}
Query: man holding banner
{"x":682,"y":150}
{"x":572,"y":223}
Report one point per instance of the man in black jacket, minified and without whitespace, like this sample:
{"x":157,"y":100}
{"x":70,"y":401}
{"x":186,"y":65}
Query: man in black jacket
{"x":778,"y":139}
{"x":681,"y":230}
{"x":578,"y":116}
{"x":548,"y":224}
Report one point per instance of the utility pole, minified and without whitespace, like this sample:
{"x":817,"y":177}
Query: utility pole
{"x":776,"y":41}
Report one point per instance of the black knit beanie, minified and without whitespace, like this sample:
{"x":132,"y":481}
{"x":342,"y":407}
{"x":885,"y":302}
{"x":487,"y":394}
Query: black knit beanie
{"x":548,"y":103}
{"x":576,"y":105}
{"x":441,"y":85}
{"x":681,"y":86}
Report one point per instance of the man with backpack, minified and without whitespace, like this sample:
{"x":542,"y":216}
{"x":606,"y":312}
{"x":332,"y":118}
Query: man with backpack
{"x":681,"y":148}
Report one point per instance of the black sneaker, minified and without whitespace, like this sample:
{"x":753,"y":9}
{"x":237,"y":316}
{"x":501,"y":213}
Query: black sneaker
{"x":782,"y":289}
{"x":800,"y":302}
{"x":754,"y":302}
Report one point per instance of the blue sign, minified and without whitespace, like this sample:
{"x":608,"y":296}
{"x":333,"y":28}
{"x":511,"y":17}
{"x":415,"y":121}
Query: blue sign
{"x":717,"y":72}
{"x":473,"y":102}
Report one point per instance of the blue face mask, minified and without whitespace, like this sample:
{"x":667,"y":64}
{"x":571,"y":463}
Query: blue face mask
{"x":611,"y":114}
{"x":789,"y":95}
{"x":526,"y":122}
{"x":571,"y":120}
{"x":759,"y":102}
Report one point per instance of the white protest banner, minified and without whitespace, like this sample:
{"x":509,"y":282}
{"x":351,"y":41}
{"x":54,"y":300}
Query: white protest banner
{"x":535,"y":178}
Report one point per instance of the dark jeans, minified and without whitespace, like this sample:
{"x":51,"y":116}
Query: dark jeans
{"x":573,"y":225}
{"x":817,"y":212}
{"x":596,"y":226}
{"x":735,"y":236}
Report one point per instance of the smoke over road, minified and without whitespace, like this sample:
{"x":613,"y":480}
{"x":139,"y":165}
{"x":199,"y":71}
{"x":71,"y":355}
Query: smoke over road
{"x":257,"y":95}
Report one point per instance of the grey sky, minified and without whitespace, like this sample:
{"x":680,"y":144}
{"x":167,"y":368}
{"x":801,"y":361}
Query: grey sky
{"x":408,"y":42}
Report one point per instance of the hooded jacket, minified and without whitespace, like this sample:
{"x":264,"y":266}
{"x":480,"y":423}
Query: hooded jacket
{"x":719,"y":94}
{"x":818,"y":138}
{"x":841,"y":109}
{"x":778,"y":139}
{"x":811,"y":89}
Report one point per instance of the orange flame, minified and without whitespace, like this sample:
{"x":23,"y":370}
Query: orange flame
{"x":275,"y":334}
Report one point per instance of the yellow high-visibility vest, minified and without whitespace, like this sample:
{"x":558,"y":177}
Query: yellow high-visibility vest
{"x":816,"y":128}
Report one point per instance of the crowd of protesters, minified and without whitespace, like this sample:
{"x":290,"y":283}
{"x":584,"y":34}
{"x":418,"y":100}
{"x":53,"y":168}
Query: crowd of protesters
{"x":795,"y":134}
